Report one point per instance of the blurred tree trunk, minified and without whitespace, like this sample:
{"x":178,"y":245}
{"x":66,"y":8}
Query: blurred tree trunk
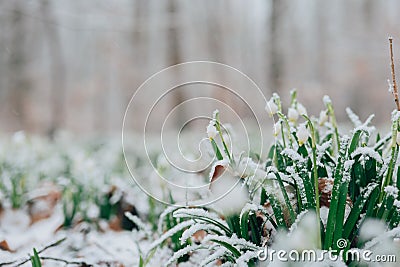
{"x":275,"y":56}
{"x":57,"y":72}
{"x":139,"y":33}
{"x":369,"y":6}
{"x":215,"y":39}
{"x":174,"y":56}
{"x":319,"y":38}
{"x":19,"y":83}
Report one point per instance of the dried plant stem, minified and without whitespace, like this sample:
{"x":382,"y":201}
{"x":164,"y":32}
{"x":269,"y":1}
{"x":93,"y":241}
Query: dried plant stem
{"x":80,"y":263}
{"x":23,"y":261}
{"x":395,"y":92}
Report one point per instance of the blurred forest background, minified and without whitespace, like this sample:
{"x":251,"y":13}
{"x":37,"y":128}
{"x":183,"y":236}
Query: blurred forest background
{"x":74,"y":65}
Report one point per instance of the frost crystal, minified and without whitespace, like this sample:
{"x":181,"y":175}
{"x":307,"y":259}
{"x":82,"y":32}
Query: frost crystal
{"x":219,"y":253}
{"x":233,"y":240}
{"x":396,"y":203}
{"x":364,"y":127}
{"x":182,"y":252}
{"x":395,"y":115}
{"x":348,"y":164}
{"x":391,"y":191}
{"x":162,"y":216}
{"x":321,"y":149}
{"x":353,"y":117}
{"x":188,"y":233}
{"x":367,"y":151}
{"x":244,"y":258}
{"x":296,"y":222}
{"x":390,"y":86}
{"x":293,"y":155}
{"x":136,"y":220}
{"x":171,"y":232}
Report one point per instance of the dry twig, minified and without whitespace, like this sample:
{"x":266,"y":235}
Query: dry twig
{"x":395,"y":92}
{"x":56,"y":243}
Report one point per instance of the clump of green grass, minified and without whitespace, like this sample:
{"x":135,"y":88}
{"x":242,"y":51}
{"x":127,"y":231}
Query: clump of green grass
{"x":35,"y":260}
{"x":358,"y":169}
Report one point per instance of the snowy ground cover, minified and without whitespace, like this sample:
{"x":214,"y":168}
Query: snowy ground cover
{"x":316,"y":187}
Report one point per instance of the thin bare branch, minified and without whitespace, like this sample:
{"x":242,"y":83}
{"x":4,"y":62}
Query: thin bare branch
{"x":80,"y":263}
{"x":395,"y":92}
{"x":22,"y":262}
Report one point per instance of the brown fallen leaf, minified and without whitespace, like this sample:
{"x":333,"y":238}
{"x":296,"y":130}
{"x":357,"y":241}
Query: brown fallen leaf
{"x":4,"y":246}
{"x":42,"y":202}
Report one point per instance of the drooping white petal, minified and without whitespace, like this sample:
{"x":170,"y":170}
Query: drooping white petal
{"x":398,"y":138}
{"x":301,"y":109}
{"x":293,"y":115}
{"x":323,"y":117}
{"x":212,"y":130}
{"x":302,"y":134}
{"x":271,"y":107}
{"x":277,"y":128}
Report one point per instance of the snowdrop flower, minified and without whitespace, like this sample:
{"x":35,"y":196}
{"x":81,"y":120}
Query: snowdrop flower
{"x":215,"y":114}
{"x":293,"y":115}
{"x":398,"y":138}
{"x":271,"y":107}
{"x":229,"y":194}
{"x":301,"y":109}
{"x":277,"y":128}
{"x":218,"y":169}
{"x":212,"y":130}
{"x":327,"y":100}
{"x":323,"y":117}
{"x":302,"y":134}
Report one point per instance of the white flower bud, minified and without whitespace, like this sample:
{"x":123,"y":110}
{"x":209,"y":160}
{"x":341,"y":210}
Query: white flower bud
{"x":212,"y":130}
{"x":277,"y":128}
{"x":215,"y":114}
{"x":293,"y":115}
{"x":302,"y":134}
{"x":398,"y":138}
{"x":271,"y":107}
{"x":327,"y":100}
{"x":301,"y":109}
{"x":323,"y":117}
